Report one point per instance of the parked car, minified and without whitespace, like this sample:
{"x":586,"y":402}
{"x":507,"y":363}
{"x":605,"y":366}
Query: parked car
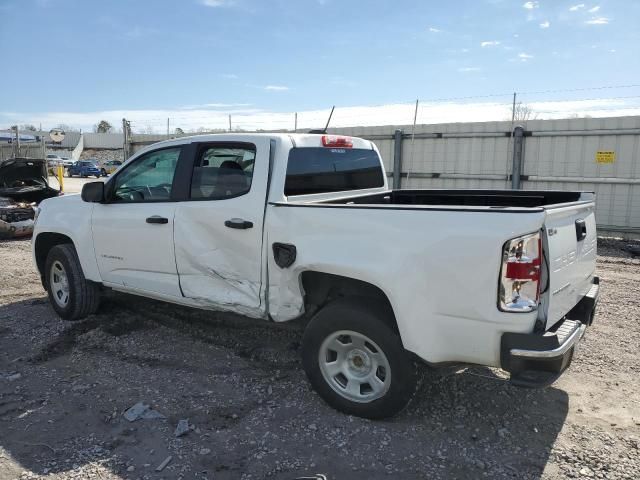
{"x":67,"y":162}
{"x":110,"y":166}
{"x":84,"y":168}
{"x":283,"y":226}
{"x":23,"y":184}
{"x":53,"y":159}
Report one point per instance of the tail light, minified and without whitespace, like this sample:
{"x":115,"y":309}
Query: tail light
{"x":336,"y":141}
{"x":519,"y":287}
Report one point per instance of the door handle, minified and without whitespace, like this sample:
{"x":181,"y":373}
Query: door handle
{"x":581,"y":229}
{"x":238,"y":223}
{"x":157,"y":219}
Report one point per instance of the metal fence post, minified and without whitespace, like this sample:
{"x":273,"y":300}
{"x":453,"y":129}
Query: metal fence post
{"x":397,"y":159}
{"x":518,"y":147}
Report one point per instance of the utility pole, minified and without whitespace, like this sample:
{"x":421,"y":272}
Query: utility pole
{"x":125,"y":131}
{"x":167,"y":128}
{"x":513,"y":110}
{"x":295,"y":122}
{"x":17,"y":141}
{"x":229,"y":123}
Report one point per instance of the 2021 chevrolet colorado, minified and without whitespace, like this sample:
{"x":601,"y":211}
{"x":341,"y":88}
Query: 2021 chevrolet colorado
{"x":280,"y":226}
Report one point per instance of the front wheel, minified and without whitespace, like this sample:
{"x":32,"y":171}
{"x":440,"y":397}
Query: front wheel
{"x":103,"y":172}
{"x":72,"y":296}
{"x":356,"y":362}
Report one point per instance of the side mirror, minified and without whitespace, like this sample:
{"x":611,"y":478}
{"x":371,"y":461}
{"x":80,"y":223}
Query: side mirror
{"x":93,"y":192}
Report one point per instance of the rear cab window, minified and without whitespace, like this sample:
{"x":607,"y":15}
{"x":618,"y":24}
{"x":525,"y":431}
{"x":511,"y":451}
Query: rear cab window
{"x":324,"y":170}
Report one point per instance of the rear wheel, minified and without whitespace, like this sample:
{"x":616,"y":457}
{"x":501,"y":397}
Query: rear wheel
{"x":72,"y":296}
{"x":356,"y":362}
{"x":103,"y":172}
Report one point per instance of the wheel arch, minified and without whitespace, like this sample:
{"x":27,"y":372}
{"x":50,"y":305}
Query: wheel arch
{"x":44,"y":242}
{"x":321,"y":288}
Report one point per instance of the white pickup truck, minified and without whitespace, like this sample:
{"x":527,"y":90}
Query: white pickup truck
{"x":280,"y":226}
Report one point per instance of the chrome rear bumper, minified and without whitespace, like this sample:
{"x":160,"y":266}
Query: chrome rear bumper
{"x":537,"y":360}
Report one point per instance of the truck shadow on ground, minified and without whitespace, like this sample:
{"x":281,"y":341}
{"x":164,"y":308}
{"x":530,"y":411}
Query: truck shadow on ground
{"x":64,"y":386}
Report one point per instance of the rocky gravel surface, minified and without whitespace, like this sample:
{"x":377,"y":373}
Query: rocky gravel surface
{"x":221,"y":396}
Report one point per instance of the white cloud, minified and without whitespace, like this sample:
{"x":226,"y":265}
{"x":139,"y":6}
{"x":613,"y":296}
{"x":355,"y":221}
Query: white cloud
{"x":469,"y":69}
{"x":598,"y":21}
{"x":524,"y":57}
{"x":575,"y":8}
{"x":434,"y":30}
{"x":490,"y":43}
{"x":219,"y":105}
{"x":531,"y":5}
{"x":217,"y":3}
{"x":391,"y":114}
{"x":231,"y":76}
{"x":545,"y":24}
{"x":276,"y":88}
{"x":594,"y":9}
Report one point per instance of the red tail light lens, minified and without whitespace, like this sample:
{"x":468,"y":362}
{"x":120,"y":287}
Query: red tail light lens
{"x":336,"y":141}
{"x":519,"y":288}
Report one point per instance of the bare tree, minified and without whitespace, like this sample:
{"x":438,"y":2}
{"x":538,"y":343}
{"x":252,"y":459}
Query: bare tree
{"x":66,"y":128}
{"x":29,"y":127}
{"x":523,"y":112}
{"x":102,"y":127}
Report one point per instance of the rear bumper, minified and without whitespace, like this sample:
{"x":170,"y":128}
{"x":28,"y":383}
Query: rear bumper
{"x":537,"y":360}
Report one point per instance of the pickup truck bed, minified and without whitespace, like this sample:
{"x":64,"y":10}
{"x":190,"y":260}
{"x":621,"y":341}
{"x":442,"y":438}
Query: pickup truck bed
{"x":473,"y":198}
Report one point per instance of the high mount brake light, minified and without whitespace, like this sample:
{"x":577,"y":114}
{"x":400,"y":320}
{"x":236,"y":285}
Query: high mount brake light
{"x":519,"y":286}
{"x":336,"y":141}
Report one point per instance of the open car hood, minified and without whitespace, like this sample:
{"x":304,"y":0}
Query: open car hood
{"x":25,"y":180}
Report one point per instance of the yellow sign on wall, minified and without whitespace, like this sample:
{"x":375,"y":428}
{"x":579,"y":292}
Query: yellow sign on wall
{"x":605,"y":156}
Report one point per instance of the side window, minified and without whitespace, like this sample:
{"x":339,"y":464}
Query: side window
{"x":148,"y":178}
{"x":222,"y":172}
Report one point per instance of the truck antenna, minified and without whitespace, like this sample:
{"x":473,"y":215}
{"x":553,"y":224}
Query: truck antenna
{"x":324,"y":130}
{"x":328,"y":119}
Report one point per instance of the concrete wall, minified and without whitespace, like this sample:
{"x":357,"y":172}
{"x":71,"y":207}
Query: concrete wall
{"x":103,"y":140}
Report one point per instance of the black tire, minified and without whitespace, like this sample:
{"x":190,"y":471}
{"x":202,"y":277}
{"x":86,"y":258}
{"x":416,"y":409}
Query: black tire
{"x":103,"y":172}
{"x":83,"y":295}
{"x":364,"y":318}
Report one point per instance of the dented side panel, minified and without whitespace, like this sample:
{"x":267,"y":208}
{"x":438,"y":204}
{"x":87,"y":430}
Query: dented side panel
{"x":218,"y":266}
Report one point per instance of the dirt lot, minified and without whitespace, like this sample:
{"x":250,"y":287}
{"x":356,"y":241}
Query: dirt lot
{"x":64,"y":387}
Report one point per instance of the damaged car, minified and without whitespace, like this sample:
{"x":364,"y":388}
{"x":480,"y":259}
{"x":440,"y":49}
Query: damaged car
{"x":23,"y":184}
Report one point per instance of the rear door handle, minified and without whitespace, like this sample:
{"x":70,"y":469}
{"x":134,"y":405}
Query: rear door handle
{"x":238,"y":223}
{"x":157,"y":219}
{"x":581,"y":230}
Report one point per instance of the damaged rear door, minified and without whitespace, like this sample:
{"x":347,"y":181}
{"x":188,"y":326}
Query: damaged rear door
{"x":218,"y":230}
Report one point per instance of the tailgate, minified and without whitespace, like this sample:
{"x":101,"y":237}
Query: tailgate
{"x":571,"y":252}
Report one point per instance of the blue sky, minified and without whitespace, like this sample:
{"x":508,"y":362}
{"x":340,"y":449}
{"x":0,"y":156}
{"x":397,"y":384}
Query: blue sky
{"x":74,"y":59}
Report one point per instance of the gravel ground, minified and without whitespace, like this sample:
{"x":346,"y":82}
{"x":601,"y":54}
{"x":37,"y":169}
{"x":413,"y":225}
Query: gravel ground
{"x":251,"y":413}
